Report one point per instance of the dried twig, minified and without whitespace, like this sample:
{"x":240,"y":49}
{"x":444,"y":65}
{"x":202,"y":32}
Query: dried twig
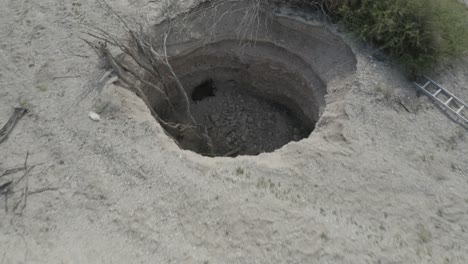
{"x":22,"y":177}
{"x":140,"y":48}
{"x":10,"y":124}
{"x":8,"y":188}
{"x":127,"y":78}
{"x":66,"y":77}
{"x":25,"y":188}
{"x":26,"y":185}
{"x":16,"y":169}
{"x":41,"y":190}
{"x":404,"y":106}
{"x":4,"y":186}
{"x":4,"y":189}
{"x":11,"y":171}
{"x":232,"y":152}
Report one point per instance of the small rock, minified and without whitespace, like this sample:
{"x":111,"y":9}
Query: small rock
{"x":93,"y":116}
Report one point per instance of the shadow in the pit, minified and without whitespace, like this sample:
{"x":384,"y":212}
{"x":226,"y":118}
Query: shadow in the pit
{"x":204,"y":90}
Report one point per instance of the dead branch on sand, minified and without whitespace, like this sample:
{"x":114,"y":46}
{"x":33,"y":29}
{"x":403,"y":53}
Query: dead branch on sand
{"x":8,"y":187}
{"x":149,"y":59}
{"x":10,"y":124}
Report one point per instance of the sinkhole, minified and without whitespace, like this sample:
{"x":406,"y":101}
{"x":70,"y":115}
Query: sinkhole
{"x":249,"y":89}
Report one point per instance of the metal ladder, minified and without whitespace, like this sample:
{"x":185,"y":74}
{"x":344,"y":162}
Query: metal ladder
{"x":445,"y":98}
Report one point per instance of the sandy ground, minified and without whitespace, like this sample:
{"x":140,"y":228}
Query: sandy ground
{"x":374,"y":183}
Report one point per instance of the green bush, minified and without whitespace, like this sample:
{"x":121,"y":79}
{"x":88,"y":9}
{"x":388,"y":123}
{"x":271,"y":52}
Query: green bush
{"x":417,"y":33}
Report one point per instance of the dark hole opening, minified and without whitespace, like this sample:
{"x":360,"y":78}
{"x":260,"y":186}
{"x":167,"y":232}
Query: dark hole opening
{"x":204,"y":90}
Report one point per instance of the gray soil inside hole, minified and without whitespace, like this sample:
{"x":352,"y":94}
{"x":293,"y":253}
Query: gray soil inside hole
{"x":244,"y":124}
{"x":253,"y":88}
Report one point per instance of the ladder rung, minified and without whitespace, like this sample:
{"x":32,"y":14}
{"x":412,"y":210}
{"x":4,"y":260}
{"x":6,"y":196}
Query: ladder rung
{"x":448,"y":101}
{"x":438,"y":92}
{"x":461,"y":108}
{"x":425,"y":85}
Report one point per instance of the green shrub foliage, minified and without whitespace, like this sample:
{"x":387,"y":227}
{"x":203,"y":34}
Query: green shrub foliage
{"x":416,"y":33}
